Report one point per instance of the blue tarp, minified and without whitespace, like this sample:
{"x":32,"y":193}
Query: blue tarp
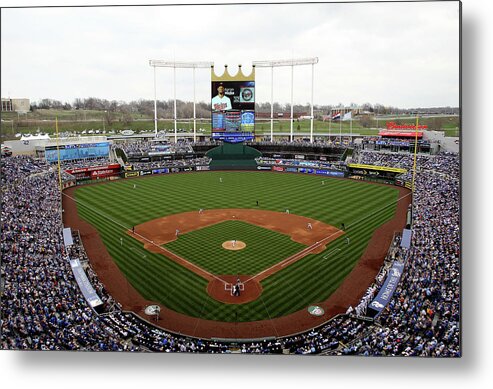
{"x":67,"y":237}
{"x":85,"y":286}
{"x":406,"y":238}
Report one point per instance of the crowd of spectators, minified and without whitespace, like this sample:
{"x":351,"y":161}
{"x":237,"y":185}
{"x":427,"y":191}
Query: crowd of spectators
{"x":317,"y":142}
{"x":297,"y":162}
{"x":143,"y":148}
{"x":203,"y":161}
{"x":381,"y":141}
{"x":17,"y":168}
{"x":423,"y":317}
{"x":83,"y":163}
{"x":43,"y":308}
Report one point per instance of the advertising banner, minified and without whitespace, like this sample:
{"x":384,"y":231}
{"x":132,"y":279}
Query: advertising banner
{"x":375,"y":167}
{"x":93,"y":168}
{"x":305,"y":170}
{"x":145,"y":172}
{"x":131,"y":174}
{"x":160,"y":171}
{"x":388,"y":288}
{"x":202,"y":168}
{"x":277,"y":168}
{"x":68,"y":184}
{"x":103,"y":173}
{"x":85,"y":286}
{"x":331,"y":173}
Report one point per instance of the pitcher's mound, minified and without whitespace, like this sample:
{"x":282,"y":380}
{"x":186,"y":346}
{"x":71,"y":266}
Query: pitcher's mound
{"x":234,"y":245}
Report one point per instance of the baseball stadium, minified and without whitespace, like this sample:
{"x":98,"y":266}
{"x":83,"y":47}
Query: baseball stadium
{"x":233,"y":241}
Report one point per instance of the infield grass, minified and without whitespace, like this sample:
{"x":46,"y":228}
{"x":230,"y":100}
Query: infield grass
{"x":114,"y":207}
{"x":264,"y":248}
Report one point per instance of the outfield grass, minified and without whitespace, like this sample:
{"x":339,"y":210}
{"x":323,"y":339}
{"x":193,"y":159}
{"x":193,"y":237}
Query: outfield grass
{"x":114,"y":207}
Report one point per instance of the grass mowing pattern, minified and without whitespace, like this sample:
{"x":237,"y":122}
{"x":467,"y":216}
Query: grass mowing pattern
{"x":264,"y":248}
{"x":116,"y":206}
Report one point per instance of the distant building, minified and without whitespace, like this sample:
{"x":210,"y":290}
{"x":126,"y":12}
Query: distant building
{"x":345,"y":110}
{"x":339,"y":112}
{"x":15,"y":105}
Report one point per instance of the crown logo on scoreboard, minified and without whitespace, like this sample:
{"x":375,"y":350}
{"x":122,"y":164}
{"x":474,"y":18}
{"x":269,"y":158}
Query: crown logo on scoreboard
{"x":239,"y":76}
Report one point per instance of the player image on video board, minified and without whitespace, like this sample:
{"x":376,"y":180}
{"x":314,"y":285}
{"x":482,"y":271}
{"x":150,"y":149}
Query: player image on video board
{"x":221,"y":102}
{"x":233,"y":110}
{"x":233,"y":105}
{"x":233,"y":95}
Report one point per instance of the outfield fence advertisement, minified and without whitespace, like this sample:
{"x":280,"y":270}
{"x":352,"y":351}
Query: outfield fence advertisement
{"x":95,"y":172}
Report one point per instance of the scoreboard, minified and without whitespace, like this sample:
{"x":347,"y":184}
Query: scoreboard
{"x":233,"y":107}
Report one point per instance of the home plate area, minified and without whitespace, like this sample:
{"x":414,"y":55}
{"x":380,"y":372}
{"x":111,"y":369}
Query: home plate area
{"x":234,"y":289}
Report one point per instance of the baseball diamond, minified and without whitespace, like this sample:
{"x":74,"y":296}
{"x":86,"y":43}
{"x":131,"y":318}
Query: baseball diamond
{"x":284,"y":267}
{"x":234,"y":202}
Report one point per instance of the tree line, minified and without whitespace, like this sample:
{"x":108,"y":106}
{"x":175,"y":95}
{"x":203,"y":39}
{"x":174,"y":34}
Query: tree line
{"x":165,"y":108}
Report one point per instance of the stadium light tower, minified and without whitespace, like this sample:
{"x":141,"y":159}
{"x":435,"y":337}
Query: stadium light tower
{"x":182,"y":65}
{"x":287,"y":62}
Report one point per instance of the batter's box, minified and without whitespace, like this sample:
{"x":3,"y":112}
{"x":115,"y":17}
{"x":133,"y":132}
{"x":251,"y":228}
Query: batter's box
{"x":230,"y":287}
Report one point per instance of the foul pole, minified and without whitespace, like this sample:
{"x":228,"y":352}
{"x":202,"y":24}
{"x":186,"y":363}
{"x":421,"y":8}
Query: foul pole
{"x":415,"y":152}
{"x":58,"y":154}
{"x":155,"y":104}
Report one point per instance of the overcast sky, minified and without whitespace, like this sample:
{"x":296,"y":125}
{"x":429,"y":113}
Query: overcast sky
{"x":400,"y":54}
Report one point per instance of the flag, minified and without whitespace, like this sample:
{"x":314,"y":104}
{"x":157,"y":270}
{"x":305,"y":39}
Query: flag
{"x":336,"y":116}
{"x":347,"y":116}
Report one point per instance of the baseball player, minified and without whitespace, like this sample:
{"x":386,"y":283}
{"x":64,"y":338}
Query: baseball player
{"x":309,"y":226}
{"x":221,"y":102}
{"x":177,"y":232}
{"x":234,"y":242}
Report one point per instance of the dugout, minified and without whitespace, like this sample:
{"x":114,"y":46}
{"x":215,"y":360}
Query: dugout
{"x":233,"y":156}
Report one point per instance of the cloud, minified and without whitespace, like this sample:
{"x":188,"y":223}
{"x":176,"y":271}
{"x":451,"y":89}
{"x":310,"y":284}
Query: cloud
{"x":404,"y":54}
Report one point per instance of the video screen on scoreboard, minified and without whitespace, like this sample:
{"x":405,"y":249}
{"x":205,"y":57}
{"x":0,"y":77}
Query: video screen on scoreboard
{"x":77,"y":151}
{"x":233,"y":110}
